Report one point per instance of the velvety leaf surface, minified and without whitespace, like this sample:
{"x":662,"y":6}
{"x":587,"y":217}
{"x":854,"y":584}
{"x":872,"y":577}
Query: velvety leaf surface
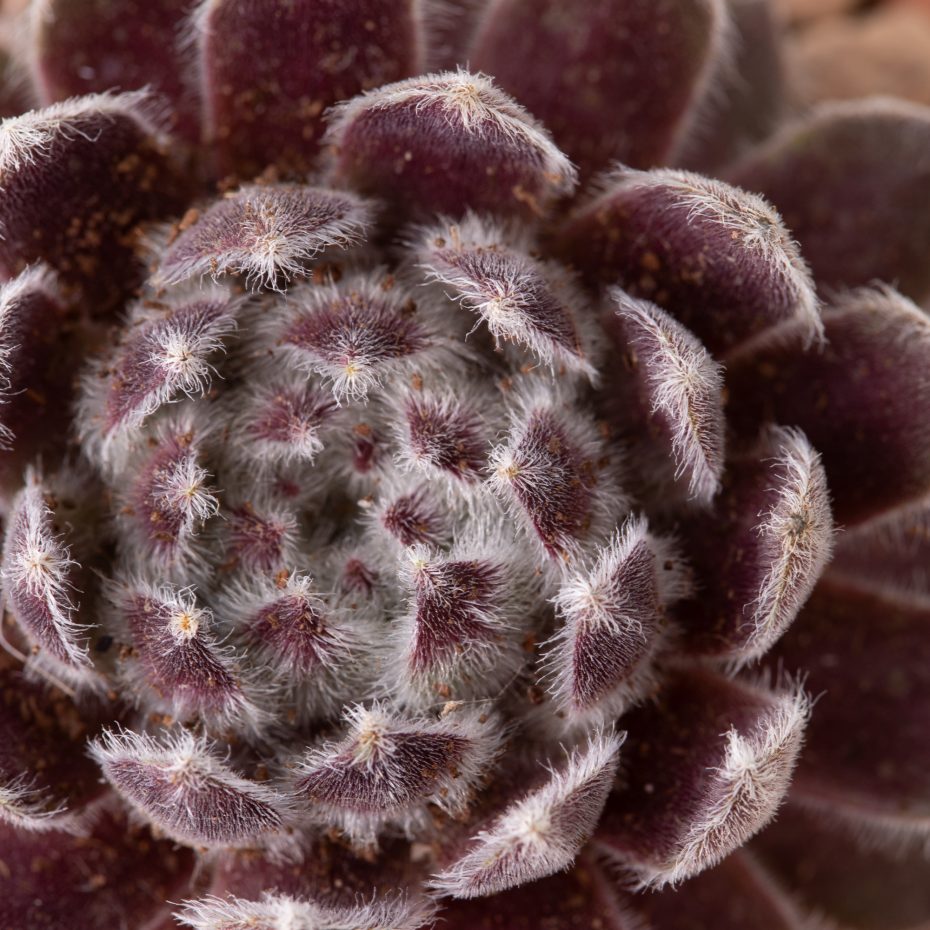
{"x":269,"y":71}
{"x":590,"y":73}
{"x":718,"y":258}
{"x":861,"y":399}
{"x":850,"y":179}
{"x":445,"y":143}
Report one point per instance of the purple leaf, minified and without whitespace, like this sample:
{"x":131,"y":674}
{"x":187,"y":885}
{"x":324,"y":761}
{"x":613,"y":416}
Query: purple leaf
{"x":717,"y":258}
{"x":175,"y":662}
{"x":758,"y":554}
{"x":269,"y":72}
{"x":444,"y":143}
{"x":680,"y":391}
{"x":523,"y":301}
{"x":267,"y":233}
{"x":867,"y":654}
{"x":187,"y":791}
{"x":590,"y":73}
{"x":709,"y":764}
{"x":861,"y":401}
{"x":78,"y":177}
{"x":851,"y":179}
{"x":388,"y":768}
{"x":86,"y":47}
{"x":118,"y":876}
{"x":541,"y":833}
{"x":601,"y":659}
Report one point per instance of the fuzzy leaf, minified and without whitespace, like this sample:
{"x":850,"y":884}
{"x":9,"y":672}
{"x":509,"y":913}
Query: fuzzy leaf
{"x":175,"y":662}
{"x":521,"y":299}
{"x":186,"y":790}
{"x":709,"y":764}
{"x":541,"y":833}
{"x":388,"y":768}
{"x":39,"y":578}
{"x":270,"y":71}
{"x":552,"y":472}
{"x":281,"y":912}
{"x":717,"y":258}
{"x":681,"y":387}
{"x":590,"y":73}
{"x":357,"y":334}
{"x":758,"y":554}
{"x":444,"y":143}
{"x":601,"y":660}
{"x":78,"y":177}
{"x":267,"y":233}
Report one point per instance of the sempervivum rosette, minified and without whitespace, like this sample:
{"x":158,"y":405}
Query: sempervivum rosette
{"x":494,"y":495}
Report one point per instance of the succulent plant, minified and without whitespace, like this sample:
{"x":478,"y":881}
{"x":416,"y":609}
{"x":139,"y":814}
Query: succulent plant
{"x":463,"y":462}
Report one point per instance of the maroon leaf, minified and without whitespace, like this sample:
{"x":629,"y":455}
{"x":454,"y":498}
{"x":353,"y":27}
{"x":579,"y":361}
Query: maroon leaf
{"x":861,"y":401}
{"x":81,"y":219}
{"x":310,"y":647}
{"x":413,"y":516}
{"x":267,"y":233}
{"x":187,"y":791}
{"x":46,"y":779}
{"x":523,"y":301}
{"x":388,"y":768}
{"x":553,"y":472}
{"x":849,"y":179}
{"x":717,"y":258}
{"x":866,"y":654}
{"x":738,"y":894}
{"x":118,"y":876}
{"x":759,"y":553}
{"x":458,"y":638}
{"x":541,"y":833}
{"x":601,"y":660}
{"x":255,"y":537}
{"x":36,"y":365}
{"x":680,"y":391}
{"x":709,"y":764}
{"x":590,"y":74}
{"x":269,"y":72}
{"x":749,"y":96}
{"x":91,"y":46}
{"x":166,"y":353}
{"x":39,"y":579}
{"x":444,"y":143}
{"x":849,"y":884}
{"x":358,"y":333}
{"x":175,"y":663}
{"x":585,"y":898}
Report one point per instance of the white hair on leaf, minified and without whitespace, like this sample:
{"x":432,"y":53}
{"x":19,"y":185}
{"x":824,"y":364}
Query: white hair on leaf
{"x":601,"y":660}
{"x":795,"y":534}
{"x":389,"y":768}
{"x":268,"y":233}
{"x":541,"y":833}
{"x":684,"y":386}
{"x":283,"y":912}
{"x":182,"y":786}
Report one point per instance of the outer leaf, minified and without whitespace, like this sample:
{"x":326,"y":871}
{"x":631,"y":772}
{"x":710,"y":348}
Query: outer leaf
{"x":710,"y":763}
{"x":444,"y":143}
{"x":717,"y":258}
{"x":182,"y":787}
{"x":590,"y":73}
{"x":541,"y":833}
